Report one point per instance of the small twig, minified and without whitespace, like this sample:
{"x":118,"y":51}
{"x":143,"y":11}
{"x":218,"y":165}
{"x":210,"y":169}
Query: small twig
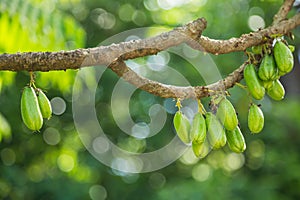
{"x":248,"y":40}
{"x":283,"y":11}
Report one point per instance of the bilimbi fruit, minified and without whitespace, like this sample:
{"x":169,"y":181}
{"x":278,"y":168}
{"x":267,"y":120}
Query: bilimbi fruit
{"x":198,"y":129}
{"x":30,"y":109}
{"x":235,"y":140}
{"x":182,"y":126}
{"x":255,"y":119}
{"x":254,"y":84}
{"x":283,"y":57}
{"x":215,"y":131}
{"x":227,"y":115}
{"x":44,"y":104}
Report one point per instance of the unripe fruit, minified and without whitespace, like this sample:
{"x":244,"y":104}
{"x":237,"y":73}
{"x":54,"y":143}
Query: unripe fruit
{"x":200,"y":149}
{"x":277,"y":91}
{"x":283,"y":57}
{"x":198,"y":129}
{"x":182,"y":126}
{"x":255,"y":119}
{"x":227,"y":115}
{"x":30,"y":110}
{"x":44,"y":104}
{"x":235,"y":140}
{"x":253,"y":83}
{"x":215,"y":132}
{"x":267,"y":70}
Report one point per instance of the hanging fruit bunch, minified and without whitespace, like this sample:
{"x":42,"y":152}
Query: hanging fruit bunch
{"x":277,"y":60}
{"x":210,"y":130}
{"x":213,"y":129}
{"x":34,"y":106}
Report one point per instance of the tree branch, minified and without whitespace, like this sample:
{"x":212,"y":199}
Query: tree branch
{"x":115,"y":54}
{"x":103,"y":55}
{"x":171,"y":91}
{"x":248,"y":40}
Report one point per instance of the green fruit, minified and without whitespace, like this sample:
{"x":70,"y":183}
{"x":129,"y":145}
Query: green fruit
{"x":200,"y":149}
{"x":267,"y":70}
{"x":277,"y":91}
{"x":182,"y":126}
{"x":198,"y":128}
{"x":44,"y":104}
{"x":267,"y":84}
{"x":227,"y":115}
{"x":283,"y":57}
{"x":255,"y":119}
{"x":30,"y":110}
{"x":253,"y":83}
{"x":215,"y":132}
{"x":235,"y":140}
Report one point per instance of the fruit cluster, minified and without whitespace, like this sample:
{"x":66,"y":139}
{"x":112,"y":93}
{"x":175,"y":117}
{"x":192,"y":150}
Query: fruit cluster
{"x":275,"y":62}
{"x":34,"y":107}
{"x":263,"y":77}
{"x":211,"y":130}
{"x":220,"y":126}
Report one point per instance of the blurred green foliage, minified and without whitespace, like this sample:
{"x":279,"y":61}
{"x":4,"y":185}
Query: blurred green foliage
{"x":54,"y":164}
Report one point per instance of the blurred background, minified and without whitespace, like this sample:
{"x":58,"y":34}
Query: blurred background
{"x":54,"y":164}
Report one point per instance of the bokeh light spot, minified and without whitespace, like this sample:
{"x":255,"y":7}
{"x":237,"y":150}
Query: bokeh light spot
{"x":151,"y":5}
{"x":234,"y":161}
{"x":35,"y":173}
{"x":140,"y":130}
{"x":8,"y":156}
{"x":103,"y":18}
{"x":97,"y":192}
{"x":65,"y":162}
{"x":256,"y":11}
{"x":256,"y":154}
{"x":125,"y":12}
{"x":123,"y":165}
{"x":130,"y":178}
{"x":189,"y":158}
{"x":256,"y":22}
{"x":157,"y":180}
{"x":58,"y":105}
{"x":51,"y":136}
{"x":201,"y":172}
{"x":169,"y":4}
{"x":169,"y":105}
{"x":100,"y":145}
{"x":158,"y":62}
{"x":139,"y":18}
